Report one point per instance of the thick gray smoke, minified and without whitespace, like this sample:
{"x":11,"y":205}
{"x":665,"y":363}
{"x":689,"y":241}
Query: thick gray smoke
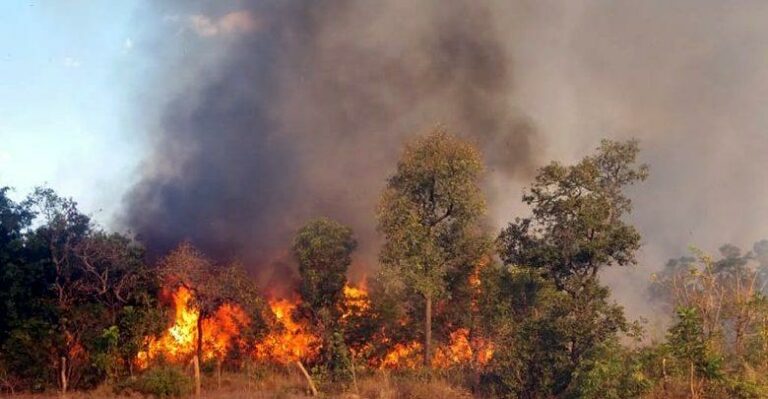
{"x":271,"y":113}
{"x":264,"y":114}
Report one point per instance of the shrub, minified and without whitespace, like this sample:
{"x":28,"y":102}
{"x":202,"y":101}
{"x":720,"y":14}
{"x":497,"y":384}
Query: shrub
{"x":163,"y":382}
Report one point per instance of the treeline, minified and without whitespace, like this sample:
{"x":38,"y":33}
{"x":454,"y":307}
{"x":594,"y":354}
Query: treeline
{"x":78,"y":302}
{"x":75,"y":301}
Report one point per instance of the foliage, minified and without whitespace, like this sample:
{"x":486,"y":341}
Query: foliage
{"x":80,"y":301}
{"x":555,"y":315}
{"x":547,"y":341}
{"x":717,"y":345}
{"x":610,"y":371}
{"x":429,"y":215}
{"x":162,"y":382}
{"x":66,"y":283}
{"x":323,"y":249}
{"x":576,"y":227}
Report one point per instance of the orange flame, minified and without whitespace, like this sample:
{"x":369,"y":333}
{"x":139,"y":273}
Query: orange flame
{"x":459,"y":350}
{"x":291,"y":340}
{"x":356,"y":300}
{"x":404,"y":356}
{"x":179,"y":341}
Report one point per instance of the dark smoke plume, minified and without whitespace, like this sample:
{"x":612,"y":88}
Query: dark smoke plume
{"x":271,"y":113}
{"x":262,"y":114}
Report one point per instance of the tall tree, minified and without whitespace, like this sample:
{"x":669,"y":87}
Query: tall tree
{"x":63,"y":230}
{"x":429,"y":211}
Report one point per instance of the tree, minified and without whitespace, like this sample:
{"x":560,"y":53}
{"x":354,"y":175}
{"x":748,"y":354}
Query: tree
{"x":212,"y":286}
{"x":542,"y":334}
{"x":689,"y":344}
{"x":428,"y":213}
{"x":323,"y":249}
{"x":724,"y":293}
{"x":14,"y":220}
{"x":577,"y":226}
{"x":28,"y":342}
{"x":115,"y":280}
{"x":63,"y":230}
{"x":575,"y":230}
{"x":69,"y":287}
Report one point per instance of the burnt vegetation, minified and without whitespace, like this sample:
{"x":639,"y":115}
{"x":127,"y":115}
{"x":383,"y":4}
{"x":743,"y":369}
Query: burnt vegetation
{"x":520,"y":313}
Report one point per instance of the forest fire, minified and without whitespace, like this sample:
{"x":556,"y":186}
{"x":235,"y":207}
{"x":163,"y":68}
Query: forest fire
{"x":355,"y":300}
{"x":178,"y":342}
{"x":461,"y":349}
{"x":288,"y":341}
{"x":291,"y":339}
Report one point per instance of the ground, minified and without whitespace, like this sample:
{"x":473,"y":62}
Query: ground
{"x":379,"y":385}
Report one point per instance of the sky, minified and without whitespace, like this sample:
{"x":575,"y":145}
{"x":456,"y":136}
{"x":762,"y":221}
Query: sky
{"x":66,"y":72}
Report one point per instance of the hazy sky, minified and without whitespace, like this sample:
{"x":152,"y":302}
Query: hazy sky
{"x":65,"y":76}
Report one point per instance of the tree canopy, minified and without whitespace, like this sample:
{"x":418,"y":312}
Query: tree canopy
{"x":430,"y":214}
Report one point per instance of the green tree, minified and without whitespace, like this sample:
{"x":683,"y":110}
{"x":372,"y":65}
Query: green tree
{"x":429,"y":212}
{"x":27,"y":314}
{"x":68,"y":283}
{"x":577,"y":226}
{"x":323,"y":249}
{"x":63,"y":230}
{"x":688,"y":342}
{"x":610,"y":371}
{"x":575,"y":230}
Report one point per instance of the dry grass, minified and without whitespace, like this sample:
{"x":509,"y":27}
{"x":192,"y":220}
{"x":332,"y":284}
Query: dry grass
{"x":285,"y":384}
{"x":385,"y":386}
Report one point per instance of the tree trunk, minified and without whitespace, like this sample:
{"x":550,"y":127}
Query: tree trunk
{"x":196,"y":365}
{"x":199,"y":343}
{"x":218,"y":373}
{"x":693,"y":389}
{"x":309,"y":379}
{"x":354,"y":374}
{"x":199,"y":354}
{"x":63,"y":376}
{"x":428,"y":332}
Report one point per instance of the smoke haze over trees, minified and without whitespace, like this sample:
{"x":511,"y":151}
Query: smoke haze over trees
{"x":260,"y":115}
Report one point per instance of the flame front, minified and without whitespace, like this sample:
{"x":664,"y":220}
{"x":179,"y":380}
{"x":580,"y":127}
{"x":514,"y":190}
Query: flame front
{"x":179,"y":342}
{"x":461,"y":349}
{"x":290,"y":340}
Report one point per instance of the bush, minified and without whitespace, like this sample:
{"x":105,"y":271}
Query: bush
{"x":163,"y":382}
{"x":609,"y":372}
